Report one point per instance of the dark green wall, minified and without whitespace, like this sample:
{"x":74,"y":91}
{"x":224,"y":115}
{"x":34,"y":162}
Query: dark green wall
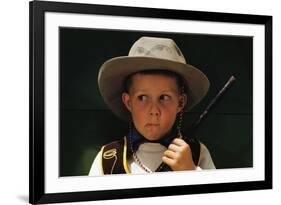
{"x":86,"y":123}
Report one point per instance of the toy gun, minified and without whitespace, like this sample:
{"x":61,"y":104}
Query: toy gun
{"x":191,"y":140}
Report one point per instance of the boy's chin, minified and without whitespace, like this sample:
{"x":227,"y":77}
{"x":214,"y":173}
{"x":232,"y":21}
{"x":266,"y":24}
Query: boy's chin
{"x":153,"y":137}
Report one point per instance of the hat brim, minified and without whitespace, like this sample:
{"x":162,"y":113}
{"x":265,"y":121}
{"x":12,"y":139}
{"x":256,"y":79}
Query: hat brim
{"x":113,"y":73}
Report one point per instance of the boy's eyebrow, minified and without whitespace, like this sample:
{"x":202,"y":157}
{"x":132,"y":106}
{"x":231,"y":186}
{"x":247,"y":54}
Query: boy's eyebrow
{"x":139,"y":90}
{"x":162,"y":91}
{"x":172,"y":90}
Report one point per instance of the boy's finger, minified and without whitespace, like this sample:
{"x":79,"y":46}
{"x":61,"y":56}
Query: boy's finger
{"x":167,"y":161}
{"x":174,"y":148}
{"x":170,"y":154}
{"x":179,"y":142}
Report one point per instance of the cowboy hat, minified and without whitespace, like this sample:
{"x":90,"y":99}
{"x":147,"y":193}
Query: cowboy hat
{"x":149,"y":53}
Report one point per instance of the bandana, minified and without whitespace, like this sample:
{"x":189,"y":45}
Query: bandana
{"x":135,"y":139}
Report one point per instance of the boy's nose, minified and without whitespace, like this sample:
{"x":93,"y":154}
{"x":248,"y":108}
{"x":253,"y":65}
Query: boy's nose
{"x":154,"y":110}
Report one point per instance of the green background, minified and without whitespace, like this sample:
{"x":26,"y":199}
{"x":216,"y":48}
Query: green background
{"x":86,"y":123}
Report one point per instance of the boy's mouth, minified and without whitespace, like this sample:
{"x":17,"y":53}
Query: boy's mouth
{"x":152,"y":124}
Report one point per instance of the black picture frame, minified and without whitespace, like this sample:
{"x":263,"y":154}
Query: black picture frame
{"x":38,"y":9}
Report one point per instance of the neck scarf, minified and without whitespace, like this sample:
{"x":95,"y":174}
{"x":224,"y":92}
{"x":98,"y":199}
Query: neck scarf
{"x":135,"y":139}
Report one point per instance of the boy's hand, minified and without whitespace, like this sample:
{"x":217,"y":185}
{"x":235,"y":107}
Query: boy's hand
{"x":178,"y":156}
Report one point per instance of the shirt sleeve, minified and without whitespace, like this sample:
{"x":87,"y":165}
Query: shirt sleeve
{"x":96,"y":168}
{"x":205,"y":161}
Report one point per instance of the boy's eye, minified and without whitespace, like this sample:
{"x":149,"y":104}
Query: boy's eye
{"x":164,"y":97}
{"x":142,"y":97}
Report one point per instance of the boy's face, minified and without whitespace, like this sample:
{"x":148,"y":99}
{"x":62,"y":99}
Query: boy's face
{"x":154,"y":101}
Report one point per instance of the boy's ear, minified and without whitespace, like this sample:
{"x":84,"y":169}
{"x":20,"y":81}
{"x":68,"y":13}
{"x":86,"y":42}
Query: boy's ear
{"x":182,"y":102}
{"x":126,"y":100}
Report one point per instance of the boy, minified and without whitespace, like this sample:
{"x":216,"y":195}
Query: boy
{"x":151,"y":88}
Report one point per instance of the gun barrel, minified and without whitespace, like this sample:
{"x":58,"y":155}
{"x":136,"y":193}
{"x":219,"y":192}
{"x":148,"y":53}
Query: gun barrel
{"x":196,"y":124}
{"x":213,"y":102}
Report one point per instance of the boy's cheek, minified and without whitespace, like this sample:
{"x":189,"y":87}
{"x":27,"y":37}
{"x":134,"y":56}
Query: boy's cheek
{"x":139,"y":116}
{"x":170,"y":112}
{"x":139,"y":109}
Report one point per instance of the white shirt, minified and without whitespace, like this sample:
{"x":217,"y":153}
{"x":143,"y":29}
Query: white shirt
{"x":150,"y":154}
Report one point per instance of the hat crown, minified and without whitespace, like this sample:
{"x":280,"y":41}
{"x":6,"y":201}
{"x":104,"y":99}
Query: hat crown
{"x":162,"y":48}
{"x":148,"y":53}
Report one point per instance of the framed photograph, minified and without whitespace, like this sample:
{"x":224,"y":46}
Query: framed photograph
{"x":72,"y":115}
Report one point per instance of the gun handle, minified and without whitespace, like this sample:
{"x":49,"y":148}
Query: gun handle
{"x":195,"y":147}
